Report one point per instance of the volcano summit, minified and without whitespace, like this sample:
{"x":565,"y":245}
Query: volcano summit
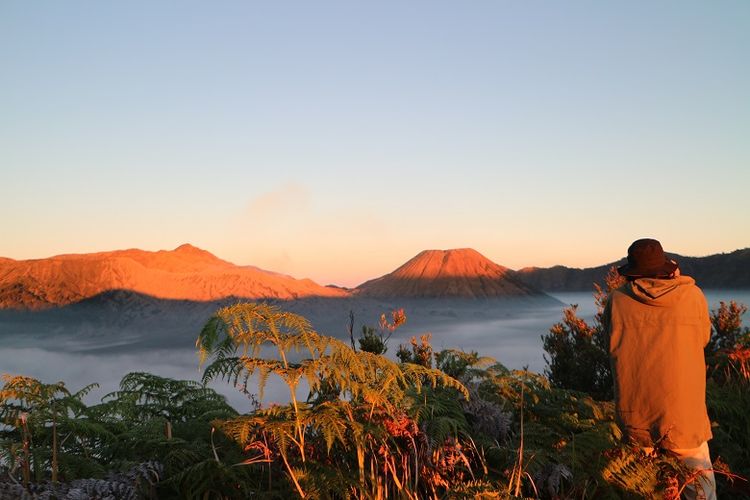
{"x":459,"y":273}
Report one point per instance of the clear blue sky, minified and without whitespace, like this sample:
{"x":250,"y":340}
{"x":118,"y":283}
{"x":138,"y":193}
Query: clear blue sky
{"x":335,"y":140}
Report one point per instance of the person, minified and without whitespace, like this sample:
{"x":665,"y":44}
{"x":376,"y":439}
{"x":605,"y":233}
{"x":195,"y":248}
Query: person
{"x":658,"y":324}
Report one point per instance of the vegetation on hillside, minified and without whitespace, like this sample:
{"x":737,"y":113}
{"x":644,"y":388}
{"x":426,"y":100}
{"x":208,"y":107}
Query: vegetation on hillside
{"x":447,"y":424}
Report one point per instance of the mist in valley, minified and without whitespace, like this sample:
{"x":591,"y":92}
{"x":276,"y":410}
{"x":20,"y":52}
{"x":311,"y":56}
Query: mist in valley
{"x":102,"y":348}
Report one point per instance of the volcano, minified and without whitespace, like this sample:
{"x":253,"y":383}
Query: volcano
{"x":459,"y":273}
{"x":186,"y":272}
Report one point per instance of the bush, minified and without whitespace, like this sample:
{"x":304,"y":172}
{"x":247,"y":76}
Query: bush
{"x":370,"y":427}
{"x":578,"y":353}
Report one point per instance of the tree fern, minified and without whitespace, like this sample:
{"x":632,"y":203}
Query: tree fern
{"x":347,"y":388}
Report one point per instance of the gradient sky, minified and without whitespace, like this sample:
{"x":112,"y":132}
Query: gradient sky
{"x":335,"y":140}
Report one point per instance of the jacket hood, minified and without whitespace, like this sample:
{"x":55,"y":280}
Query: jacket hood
{"x":658,"y":291}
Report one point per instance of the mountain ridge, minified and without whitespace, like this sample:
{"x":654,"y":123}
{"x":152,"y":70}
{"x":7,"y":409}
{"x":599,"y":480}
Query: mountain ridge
{"x":186,"y":272}
{"x":190,"y":273}
{"x":722,"y":270}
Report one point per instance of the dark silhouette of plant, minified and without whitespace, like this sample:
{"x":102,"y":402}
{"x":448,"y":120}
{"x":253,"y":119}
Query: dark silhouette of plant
{"x":49,"y":423}
{"x":574,"y":355}
{"x":376,"y":342}
{"x":727,"y":330}
{"x":152,"y":438}
{"x":728,"y":393}
{"x":418,"y":353}
{"x":728,"y":351}
{"x":370,"y":341}
{"x":577,"y":354}
{"x":171,"y":421}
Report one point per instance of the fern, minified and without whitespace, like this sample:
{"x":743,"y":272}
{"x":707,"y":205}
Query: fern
{"x":347,"y":390}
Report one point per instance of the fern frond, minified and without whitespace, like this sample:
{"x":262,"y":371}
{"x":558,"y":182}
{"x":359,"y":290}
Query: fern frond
{"x":331,"y":422}
{"x":416,"y":374}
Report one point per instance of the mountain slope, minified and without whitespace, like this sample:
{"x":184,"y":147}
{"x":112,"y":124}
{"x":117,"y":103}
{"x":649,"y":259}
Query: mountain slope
{"x":184,"y":273}
{"x":448,"y":273}
{"x":725,"y":270}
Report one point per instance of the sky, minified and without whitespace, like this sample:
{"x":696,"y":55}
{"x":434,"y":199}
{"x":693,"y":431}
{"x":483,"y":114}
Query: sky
{"x":336,"y":140}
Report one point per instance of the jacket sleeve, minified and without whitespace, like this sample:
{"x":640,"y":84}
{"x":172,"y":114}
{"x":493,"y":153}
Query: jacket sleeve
{"x":607,"y":320}
{"x":705,"y":319}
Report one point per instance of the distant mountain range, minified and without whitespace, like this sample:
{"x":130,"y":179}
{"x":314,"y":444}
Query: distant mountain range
{"x":189,"y":273}
{"x":724,"y":270}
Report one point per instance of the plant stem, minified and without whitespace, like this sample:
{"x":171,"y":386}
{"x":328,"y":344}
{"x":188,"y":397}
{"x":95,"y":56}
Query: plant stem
{"x":26,"y":455}
{"x":55,"y":466}
{"x":292,"y":475}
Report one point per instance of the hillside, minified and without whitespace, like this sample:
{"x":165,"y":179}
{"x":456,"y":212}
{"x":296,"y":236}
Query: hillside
{"x":186,"y":272}
{"x":463,"y":273}
{"x":725,"y":270}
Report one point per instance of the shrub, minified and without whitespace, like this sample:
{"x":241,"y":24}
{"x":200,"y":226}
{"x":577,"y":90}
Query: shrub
{"x":577,"y":354}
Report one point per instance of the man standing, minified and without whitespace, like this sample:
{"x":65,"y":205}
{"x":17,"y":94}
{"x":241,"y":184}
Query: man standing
{"x":658,"y":325}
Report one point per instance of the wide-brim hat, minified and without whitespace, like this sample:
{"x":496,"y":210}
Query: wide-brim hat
{"x":646,"y":258}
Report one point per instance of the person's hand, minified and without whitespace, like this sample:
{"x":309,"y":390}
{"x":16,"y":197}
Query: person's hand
{"x":675,"y":273}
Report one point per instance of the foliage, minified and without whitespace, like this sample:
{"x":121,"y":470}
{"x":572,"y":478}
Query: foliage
{"x":728,"y":392}
{"x":728,"y":351}
{"x":420,"y":352}
{"x":355,"y":397}
{"x":372,"y":342}
{"x":727,"y":330}
{"x":169,"y":420}
{"x":577,"y":353}
{"x":464,"y":366}
{"x":134,"y":484}
{"x":133,"y":445}
{"x":576,"y":360}
{"x":377,"y":342}
{"x":369,"y":427}
{"x":515,"y":435}
{"x":45,"y":427}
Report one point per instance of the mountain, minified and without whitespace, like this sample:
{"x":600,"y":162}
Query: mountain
{"x":724,"y":270}
{"x":189,"y":273}
{"x":461,"y":273}
{"x":186,"y":273}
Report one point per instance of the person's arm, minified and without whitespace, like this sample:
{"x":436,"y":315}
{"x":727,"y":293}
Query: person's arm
{"x":705,"y":319}
{"x":607,"y":319}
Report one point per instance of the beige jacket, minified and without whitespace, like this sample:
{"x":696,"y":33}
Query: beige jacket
{"x":657,"y":331}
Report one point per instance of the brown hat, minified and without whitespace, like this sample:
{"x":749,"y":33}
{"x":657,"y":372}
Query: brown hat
{"x":646,"y":258}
